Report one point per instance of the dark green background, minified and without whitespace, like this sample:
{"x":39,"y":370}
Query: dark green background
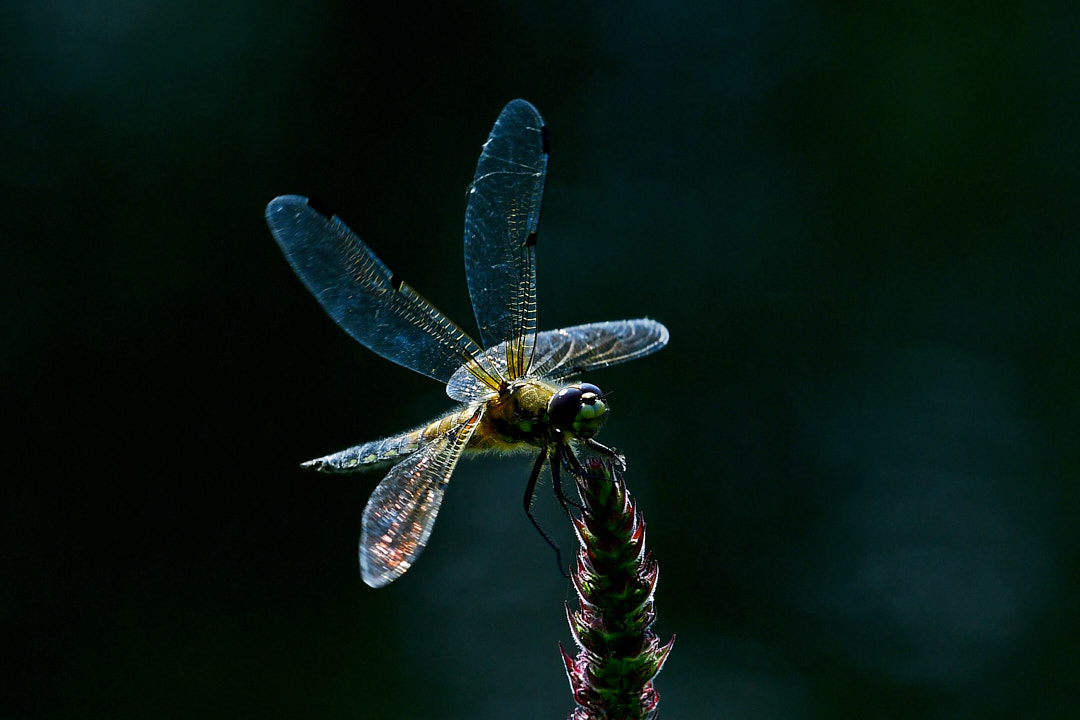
{"x":857,"y":457}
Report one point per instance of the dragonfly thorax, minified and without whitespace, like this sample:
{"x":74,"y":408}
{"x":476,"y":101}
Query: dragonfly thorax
{"x":515,"y":416}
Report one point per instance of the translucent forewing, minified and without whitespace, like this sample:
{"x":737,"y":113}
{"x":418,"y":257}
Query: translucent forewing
{"x":500,"y":234}
{"x":366,"y":299}
{"x":561,"y":354}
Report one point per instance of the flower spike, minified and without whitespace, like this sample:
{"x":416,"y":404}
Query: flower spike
{"x":615,"y":579}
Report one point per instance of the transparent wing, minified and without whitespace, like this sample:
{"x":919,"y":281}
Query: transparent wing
{"x":500,"y":234}
{"x":401,"y":512}
{"x":366,"y":299}
{"x":560,"y":354}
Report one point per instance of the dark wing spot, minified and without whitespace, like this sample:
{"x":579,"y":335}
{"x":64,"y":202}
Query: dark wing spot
{"x":531,"y":240}
{"x":395,"y":282}
{"x":545,"y":140}
{"x":320,"y":208}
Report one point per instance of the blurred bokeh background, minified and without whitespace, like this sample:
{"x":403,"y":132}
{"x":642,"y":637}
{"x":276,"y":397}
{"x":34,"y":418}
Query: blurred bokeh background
{"x":857,"y":458}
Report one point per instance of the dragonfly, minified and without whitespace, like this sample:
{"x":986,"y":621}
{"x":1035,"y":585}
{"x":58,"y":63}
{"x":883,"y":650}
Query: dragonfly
{"x":516,"y":389}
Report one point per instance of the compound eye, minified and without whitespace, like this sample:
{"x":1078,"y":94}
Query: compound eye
{"x":590,"y":393}
{"x":563,"y":407}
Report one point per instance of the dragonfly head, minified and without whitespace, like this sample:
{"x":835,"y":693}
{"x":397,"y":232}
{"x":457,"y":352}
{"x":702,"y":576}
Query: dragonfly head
{"x":578,"y":409}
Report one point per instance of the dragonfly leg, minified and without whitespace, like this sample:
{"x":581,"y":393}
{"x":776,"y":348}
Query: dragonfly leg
{"x":556,"y":480}
{"x":609,"y":451}
{"x":530,"y":494}
{"x":574,"y":466}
